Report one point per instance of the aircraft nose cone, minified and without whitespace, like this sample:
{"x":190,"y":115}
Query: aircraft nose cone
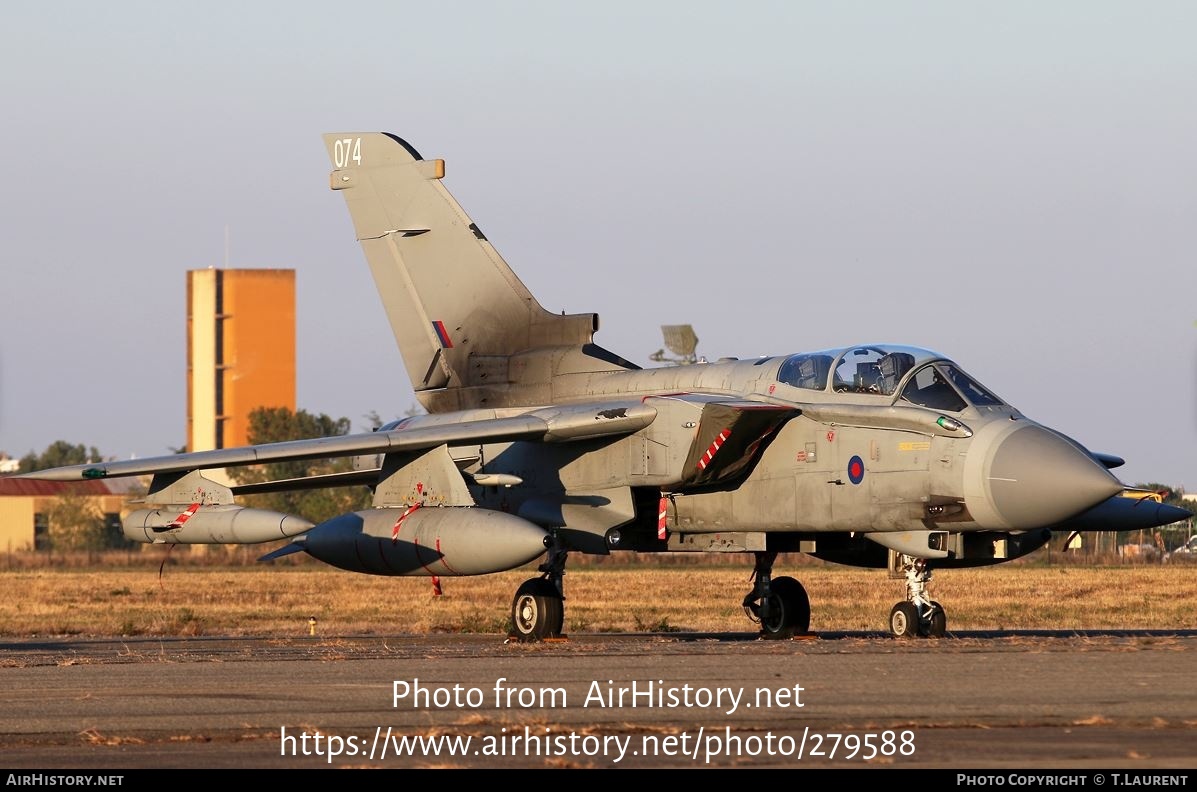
{"x":1031,"y":477}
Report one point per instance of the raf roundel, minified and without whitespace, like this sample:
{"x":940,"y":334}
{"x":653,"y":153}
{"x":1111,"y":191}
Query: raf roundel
{"x":856,"y":470}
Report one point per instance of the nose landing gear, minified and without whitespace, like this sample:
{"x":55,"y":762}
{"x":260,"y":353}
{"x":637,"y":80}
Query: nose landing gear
{"x":918,"y":615}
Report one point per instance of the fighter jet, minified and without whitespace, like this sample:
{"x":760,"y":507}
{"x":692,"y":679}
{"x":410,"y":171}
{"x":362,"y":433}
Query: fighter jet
{"x":539,"y":443}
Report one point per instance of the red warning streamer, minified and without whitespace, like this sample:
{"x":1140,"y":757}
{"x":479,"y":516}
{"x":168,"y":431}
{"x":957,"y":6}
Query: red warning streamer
{"x":710,"y":454}
{"x":399,"y":522}
{"x":441,"y":553}
{"x":184,"y":516}
{"x":662,"y":512}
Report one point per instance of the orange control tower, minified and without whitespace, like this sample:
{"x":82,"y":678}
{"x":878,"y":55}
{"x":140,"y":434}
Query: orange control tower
{"x":240,"y":351}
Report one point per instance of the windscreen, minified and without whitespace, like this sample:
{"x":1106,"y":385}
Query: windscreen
{"x":972,"y":390}
{"x":942,"y":386}
{"x":929,"y":388}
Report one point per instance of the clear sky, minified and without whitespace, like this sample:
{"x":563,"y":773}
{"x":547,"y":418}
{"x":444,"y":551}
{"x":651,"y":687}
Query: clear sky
{"x":1013,"y":184}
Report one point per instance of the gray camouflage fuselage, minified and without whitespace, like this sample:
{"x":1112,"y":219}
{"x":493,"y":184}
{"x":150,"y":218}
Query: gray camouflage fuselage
{"x":912,"y":474}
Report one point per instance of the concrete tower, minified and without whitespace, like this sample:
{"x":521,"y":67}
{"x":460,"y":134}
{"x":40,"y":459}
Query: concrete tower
{"x":240,"y":351}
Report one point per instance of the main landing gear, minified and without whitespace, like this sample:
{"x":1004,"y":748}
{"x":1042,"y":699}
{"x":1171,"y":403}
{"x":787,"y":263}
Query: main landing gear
{"x":538,"y":609}
{"x":779,"y":605}
{"x":918,"y":615}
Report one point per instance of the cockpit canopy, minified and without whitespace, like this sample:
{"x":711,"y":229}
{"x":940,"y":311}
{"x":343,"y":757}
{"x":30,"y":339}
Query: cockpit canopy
{"x":920,"y":376}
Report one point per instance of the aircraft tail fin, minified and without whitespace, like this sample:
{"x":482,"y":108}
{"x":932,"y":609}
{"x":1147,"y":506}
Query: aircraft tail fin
{"x":460,"y":315}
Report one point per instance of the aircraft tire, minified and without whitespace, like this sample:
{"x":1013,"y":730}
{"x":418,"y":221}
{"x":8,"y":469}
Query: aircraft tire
{"x":789,"y":609}
{"x":937,"y":626}
{"x":537,"y":611}
{"x":904,"y":620}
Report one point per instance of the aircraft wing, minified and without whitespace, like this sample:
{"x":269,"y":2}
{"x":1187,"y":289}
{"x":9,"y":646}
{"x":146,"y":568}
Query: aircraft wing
{"x":731,"y":436}
{"x":550,"y":424}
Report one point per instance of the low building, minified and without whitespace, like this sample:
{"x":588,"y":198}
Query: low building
{"x":25,"y":505}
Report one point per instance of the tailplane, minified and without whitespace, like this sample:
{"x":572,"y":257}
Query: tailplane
{"x":470,"y":333}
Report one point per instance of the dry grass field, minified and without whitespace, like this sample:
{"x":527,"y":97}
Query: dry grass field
{"x":235,"y":600}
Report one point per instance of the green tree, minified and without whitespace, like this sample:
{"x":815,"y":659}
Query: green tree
{"x":58,"y":454}
{"x":75,"y":523}
{"x":279,"y":424}
{"x":375,"y":422}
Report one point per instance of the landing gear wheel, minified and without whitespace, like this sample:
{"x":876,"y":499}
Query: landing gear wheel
{"x":904,"y":620}
{"x":936,"y":624}
{"x":788,"y":610}
{"x":537,"y":612}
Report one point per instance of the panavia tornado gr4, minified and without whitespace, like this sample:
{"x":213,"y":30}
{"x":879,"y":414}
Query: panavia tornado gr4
{"x":539,"y":443}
